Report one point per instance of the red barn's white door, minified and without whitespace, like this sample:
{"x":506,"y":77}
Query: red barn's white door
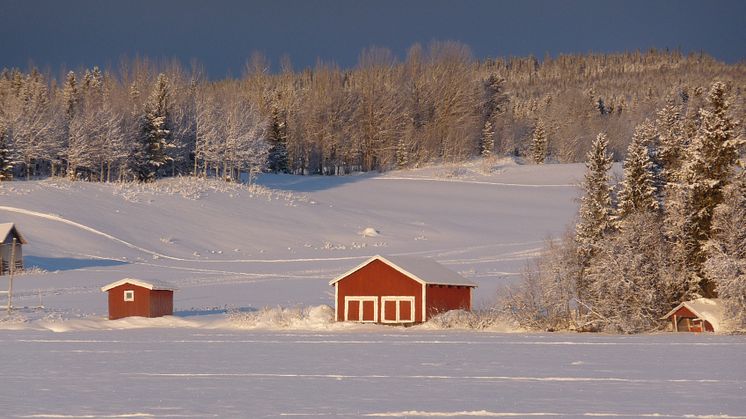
{"x":361,"y":309}
{"x":397,"y":309}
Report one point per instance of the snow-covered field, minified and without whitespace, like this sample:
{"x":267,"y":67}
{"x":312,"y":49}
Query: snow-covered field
{"x":228,"y":248}
{"x":386,"y":372}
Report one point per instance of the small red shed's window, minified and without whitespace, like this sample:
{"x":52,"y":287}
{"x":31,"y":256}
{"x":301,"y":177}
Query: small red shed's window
{"x":129,"y":295}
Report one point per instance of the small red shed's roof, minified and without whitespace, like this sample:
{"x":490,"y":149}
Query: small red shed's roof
{"x":153,"y":285}
{"x":708,"y":309}
{"x":423,"y":270}
{"x":6,"y":229}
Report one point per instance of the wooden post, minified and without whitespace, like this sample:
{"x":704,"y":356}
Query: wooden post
{"x":10,"y":278}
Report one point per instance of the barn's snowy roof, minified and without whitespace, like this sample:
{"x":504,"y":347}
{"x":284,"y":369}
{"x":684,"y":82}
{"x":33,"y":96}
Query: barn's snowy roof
{"x":6,"y":229}
{"x":708,"y":309}
{"x":149,"y":284}
{"x":422,"y":270}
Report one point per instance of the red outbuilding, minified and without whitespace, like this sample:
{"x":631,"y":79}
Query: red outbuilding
{"x":700,"y":315}
{"x":399,"y":290}
{"x":136,"y":297}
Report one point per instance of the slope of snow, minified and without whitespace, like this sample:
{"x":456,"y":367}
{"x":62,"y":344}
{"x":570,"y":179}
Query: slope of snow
{"x":229,"y":246}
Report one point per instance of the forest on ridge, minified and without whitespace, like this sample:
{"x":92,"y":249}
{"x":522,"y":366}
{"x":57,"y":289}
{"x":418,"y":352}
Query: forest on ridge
{"x":145,"y":119}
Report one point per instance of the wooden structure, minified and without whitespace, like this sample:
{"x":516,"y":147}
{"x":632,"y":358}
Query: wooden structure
{"x":700,"y":315}
{"x":11,"y":249}
{"x":399,"y":290}
{"x":136,"y":297}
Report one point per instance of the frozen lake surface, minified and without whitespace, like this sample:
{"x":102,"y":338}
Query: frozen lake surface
{"x":380,"y":372}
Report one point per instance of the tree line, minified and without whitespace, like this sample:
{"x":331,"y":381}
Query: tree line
{"x":670,"y":231}
{"x":145,"y":119}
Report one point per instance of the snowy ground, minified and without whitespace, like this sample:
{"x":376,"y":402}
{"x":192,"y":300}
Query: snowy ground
{"x":229,"y":248}
{"x":223,"y":245}
{"x":383,"y":372}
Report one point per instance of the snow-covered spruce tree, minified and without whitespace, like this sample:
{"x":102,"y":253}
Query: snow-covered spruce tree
{"x":595,"y":216}
{"x":156,"y":131}
{"x":402,"y":153}
{"x":278,"y":139}
{"x":632,"y":282}
{"x":726,"y":251}
{"x":638,"y":192}
{"x":6,"y":157}
{"x":671,"y":143}
{"x":493,"y":100}
{"x":488,"y":140}
{"x":709,"y":166}
{"x":539,"y":144}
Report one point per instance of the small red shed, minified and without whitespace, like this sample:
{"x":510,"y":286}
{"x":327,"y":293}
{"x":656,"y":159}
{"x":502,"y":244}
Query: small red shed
{"x":137,"y":297}
{"x":399,"y":290}
{"x":700,"y":315}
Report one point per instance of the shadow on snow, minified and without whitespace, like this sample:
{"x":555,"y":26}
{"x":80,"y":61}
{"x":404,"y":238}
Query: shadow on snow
{"x":67,"y":264}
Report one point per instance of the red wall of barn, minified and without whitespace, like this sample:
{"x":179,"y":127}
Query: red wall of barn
{"x":161,"y":303}
{"x":147,"y":303}
{"x":441,"y":298}
{"x":378,"y":279}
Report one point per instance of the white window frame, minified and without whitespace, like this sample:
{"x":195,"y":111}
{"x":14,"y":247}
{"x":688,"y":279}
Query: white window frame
{"x":359,"y":300}
{"x":129,"y":295}
{"x":398,"y":316}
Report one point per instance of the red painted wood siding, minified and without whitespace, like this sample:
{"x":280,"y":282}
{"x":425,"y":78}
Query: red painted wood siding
{"x":378,"y":279}
{"x":442,"y":298}
{"x":147,"y":303}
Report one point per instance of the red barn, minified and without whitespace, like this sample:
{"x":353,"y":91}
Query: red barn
{"x":700,"y":315}
{"x":399,"y":290}
{"x":136,"y":297}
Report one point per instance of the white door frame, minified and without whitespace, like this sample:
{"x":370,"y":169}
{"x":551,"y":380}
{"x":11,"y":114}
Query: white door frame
{"x":398,"y":317}
{"x":359,"y":300}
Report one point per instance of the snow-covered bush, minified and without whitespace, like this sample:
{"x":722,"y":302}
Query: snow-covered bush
{"x":545,"y":299}
{"x":633,"y":281}
{"x":318,"y":317}
{"x":492,"y":319}
{"x":196,"y":188}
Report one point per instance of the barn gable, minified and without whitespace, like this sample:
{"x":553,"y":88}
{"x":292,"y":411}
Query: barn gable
{"x":8,"y":232}
{"x":423,"y":270}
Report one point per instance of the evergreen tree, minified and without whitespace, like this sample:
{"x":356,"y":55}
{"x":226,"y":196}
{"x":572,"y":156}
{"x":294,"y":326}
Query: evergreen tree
{"x":710,"y":162}
{"x":638,"y":192}
{"x":539,"y":144}
{"x":595,"y":217}
{"x":6,"y":159}
{"x":156,"y":131}
{"x":488,"y":139}
{"x":493,"y":100}
{"x":70,"y":95}
{"x":727,"y":252}
{"x":278,"y":138}
{"x":631,"y":278}
{"x":671,"y":143}
{"x":402,"y":153}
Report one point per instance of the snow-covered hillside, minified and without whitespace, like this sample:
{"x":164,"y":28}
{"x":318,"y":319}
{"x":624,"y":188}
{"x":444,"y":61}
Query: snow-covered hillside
{"x":229,"y":246}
